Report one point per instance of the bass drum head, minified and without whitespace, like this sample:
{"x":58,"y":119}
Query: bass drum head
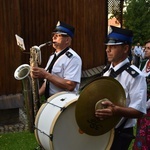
{"x":64,"y":131}
{"x":67,"y":135}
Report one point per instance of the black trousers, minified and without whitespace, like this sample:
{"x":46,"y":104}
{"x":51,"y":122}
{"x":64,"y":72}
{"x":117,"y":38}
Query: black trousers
{"x":122,"y":139}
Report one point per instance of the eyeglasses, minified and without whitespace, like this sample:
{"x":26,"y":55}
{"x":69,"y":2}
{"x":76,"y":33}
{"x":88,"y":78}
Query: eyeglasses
{"x":59,"y":35}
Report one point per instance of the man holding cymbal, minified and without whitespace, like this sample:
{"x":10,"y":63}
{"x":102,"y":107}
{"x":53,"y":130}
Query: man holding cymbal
{"x":133,"y":82}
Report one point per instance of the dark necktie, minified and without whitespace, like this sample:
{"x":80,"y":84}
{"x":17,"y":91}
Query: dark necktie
{"x":50,"y":69}
{"x":47,"y":82}
{"x":52,"y":63}
{"x":112,"y":73}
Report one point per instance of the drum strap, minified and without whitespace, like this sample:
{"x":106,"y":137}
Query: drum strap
{"x":55,"y":58}
{"x":50,"y":69}
{"x":125,"y":67}
{"x":120,"y":128}
{"x":112,"y":74}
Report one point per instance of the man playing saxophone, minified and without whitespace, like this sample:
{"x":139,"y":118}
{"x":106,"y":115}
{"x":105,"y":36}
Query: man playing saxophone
{"x":63,"y":69}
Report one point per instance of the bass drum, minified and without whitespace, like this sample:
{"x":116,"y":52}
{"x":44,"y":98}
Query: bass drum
{"x":56,"y":127}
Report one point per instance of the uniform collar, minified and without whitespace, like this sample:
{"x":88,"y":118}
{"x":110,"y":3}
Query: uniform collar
{"x":119,"y":65}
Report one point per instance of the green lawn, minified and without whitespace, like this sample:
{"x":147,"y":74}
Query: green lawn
{"x":18,"y":141}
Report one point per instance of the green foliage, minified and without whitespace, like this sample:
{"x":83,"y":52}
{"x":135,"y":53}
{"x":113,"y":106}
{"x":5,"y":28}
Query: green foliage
{"x":137,"y":18}
{"x":18,"y":141}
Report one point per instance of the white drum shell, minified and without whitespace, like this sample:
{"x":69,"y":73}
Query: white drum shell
{"x":62,"y":125}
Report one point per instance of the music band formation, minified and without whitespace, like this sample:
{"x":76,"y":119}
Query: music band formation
{"x":96,"y":114}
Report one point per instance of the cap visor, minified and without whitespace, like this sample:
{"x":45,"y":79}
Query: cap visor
{"x":113,"y":42}
{"x":117,"y":43}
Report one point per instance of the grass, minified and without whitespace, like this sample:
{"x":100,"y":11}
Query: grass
{"x":21,"y":141}
{"x":130,"y":148}
{"x":18,"y":141}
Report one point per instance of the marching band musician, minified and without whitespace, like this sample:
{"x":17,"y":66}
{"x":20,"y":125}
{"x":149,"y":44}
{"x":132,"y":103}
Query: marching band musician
{"x":133,"y":82}
{"x":63,"y":70}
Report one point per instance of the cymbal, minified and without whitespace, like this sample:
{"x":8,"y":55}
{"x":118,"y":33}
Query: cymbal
{"x":90,"y":99}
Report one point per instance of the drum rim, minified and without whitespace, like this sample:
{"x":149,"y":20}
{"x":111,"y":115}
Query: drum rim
{"x":36,"y":121}
{"x":56,"y":117}
{"x":40,"y":112}
{"x":110,"y":139}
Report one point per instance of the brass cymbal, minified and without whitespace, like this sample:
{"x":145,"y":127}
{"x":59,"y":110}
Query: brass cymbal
{"x":90,"y":99}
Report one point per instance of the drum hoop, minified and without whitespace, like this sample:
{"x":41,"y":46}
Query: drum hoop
{"x":36,"y":121}
{"x":110,"y":139}
{"x":56,"y":117}
{"x":57,"y":94}
{"x":40,"y":112}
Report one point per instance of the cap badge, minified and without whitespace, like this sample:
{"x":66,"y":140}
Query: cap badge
{"x":132,"y":72}
{"x":58,"y":23}
{"x":110,"y":30}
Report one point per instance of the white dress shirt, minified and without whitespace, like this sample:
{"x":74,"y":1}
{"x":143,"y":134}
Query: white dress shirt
{"x":66,"y":67}
{"x":135,"y":90}
{"x":138,"y":50}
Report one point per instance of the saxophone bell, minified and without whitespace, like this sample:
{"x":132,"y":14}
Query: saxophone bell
{"x":22,"y":72}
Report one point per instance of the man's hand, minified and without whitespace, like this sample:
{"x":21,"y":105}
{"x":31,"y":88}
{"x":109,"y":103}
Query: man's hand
{"x":37,"y":72}
{"x":107,"y":111}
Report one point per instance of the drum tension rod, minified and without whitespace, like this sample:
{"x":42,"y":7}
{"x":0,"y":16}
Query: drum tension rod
{"x":61,"y":108}
{"x":50,"y":136}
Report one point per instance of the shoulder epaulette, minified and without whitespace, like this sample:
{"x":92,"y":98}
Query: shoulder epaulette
{"x":69,"y":54}
{"x":132,"y":72}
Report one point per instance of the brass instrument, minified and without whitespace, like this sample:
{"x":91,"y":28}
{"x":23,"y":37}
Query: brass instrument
{"x":31,"y":85}
{"x":35,"y":60}
{"x":22,"y":73}
{"x":90,"y":99}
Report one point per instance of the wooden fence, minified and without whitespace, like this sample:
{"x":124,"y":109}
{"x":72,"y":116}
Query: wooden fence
{"x":34,"y":21}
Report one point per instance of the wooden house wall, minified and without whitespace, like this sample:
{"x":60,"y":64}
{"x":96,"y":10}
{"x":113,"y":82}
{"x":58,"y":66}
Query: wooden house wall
{"x":34,"y":21}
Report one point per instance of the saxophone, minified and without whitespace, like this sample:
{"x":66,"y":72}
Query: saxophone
{"x":35,"y":60}
{"x":31,"y":85}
